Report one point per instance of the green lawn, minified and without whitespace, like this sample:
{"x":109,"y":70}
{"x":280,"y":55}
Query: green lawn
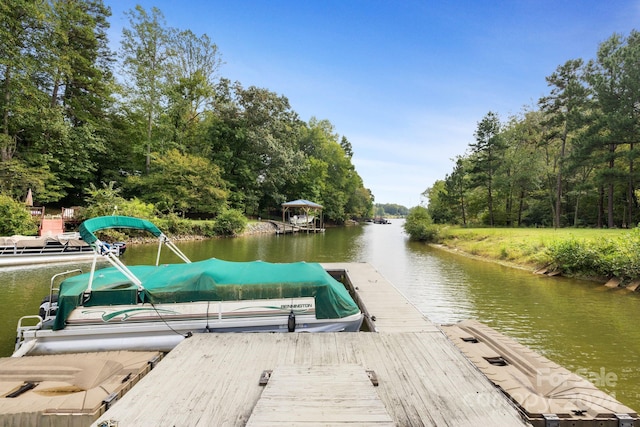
{"x":521,"y":246}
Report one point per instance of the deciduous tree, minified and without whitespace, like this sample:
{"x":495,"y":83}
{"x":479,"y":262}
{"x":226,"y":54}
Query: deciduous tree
{"x":146,"y":50}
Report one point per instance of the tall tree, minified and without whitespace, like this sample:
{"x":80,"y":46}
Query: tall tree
{"x":146,"y":51}
{"x":81,"y":60}
{"x":331,"y":178}
{"x":457,"y":187}
{"x":21,"y":39}
{"x":522,"y":167}
{"x":486,"y":156}
{"x":191,"y":80}
{"x":563,"y":109}
{"x":448,"y":202}
{"x":615,"y":121}
{"x":254,"y":139}
{"x":53,"y":83}
{"x":631,"y":81}
{"x":78,"y":83}
{"x":439,"y":208}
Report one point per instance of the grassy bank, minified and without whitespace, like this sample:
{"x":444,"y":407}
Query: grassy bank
{"x":531,"y":248}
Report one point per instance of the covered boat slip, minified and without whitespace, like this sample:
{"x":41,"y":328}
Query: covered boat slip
{"x":67,"y":390}
{"x":301,"y":215}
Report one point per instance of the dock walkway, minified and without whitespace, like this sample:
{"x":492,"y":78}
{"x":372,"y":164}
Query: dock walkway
{"x":416,"y":376}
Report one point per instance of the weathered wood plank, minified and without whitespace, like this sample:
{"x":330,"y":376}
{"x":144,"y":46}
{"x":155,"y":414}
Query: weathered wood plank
{"x":213,"y":379}
{"x":383,"y":301}
{"x":321,"y":394}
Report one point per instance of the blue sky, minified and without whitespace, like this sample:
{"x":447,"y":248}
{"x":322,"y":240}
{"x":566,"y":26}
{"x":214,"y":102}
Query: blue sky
{"x":405,"y":81}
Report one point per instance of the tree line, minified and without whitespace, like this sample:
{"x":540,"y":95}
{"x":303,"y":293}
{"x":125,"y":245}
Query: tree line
{"x":154,"y":121}
{"x":568,"y":161}
{"x":390,"y":209}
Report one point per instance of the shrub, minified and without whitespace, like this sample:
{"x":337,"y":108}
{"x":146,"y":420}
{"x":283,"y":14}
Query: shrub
{"x":230,"y":222}
{"x":419,"y":225}
{"x":621,"y":256}
{"x":573,"y":256}
{"x":205,"y":228}
{"x":504,"y":252}
{"x":136,"y":208}
{"x":172,"y":224}
{"x":15,"y":218}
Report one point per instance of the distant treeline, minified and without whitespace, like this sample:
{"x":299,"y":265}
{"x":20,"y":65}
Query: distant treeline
{"x":154,"y":121}
{"x":390,"y":209}
{"x":570,"y":161}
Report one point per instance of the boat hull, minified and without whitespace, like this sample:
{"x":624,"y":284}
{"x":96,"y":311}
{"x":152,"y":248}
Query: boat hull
{"x":17,"y":260}
{"x":29,"y":250}
{"x":161,"y":327}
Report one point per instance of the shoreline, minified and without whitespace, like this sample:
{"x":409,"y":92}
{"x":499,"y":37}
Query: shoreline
{"x":252,"y":229}
{"x":482,"y":258}
{"x":612,"y":282}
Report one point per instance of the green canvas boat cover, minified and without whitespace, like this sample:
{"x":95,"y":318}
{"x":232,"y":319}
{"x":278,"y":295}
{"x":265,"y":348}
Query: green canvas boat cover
{"x":90,"y":226}
{"x":209,"y":280}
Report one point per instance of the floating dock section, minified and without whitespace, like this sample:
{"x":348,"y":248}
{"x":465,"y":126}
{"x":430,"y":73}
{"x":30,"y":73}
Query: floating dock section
{"x":546,"y":393}
{"x":68,"y":390}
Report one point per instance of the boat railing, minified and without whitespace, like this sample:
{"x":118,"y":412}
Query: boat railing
{"x":39,"y":320}
{"x":53,"y":289}
{"x":21,"y":329}
{"x":102,"y":249}
{"x":42,"y":250}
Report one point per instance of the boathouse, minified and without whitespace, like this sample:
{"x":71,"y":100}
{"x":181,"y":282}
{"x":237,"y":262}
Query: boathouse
{"x":303,"y":214}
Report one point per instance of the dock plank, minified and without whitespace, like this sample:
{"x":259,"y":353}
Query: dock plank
{"x":213,"y":379}
{"x":319,"y":395}
{"x":392,"y":311}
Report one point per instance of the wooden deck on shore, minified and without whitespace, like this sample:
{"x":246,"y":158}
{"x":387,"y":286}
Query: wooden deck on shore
{"x":406,"y":374}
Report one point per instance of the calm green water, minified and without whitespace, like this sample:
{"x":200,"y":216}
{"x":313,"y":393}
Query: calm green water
{"x":584,"y":326}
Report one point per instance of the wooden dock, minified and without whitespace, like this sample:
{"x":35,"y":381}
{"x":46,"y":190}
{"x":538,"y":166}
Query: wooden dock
{"x":286,"y":228}
{"x":406,"y":373}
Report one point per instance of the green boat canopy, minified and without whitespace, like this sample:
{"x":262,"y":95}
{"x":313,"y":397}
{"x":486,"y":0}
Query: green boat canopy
{"x":209,"y":280}
{"x":90,"y":226}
